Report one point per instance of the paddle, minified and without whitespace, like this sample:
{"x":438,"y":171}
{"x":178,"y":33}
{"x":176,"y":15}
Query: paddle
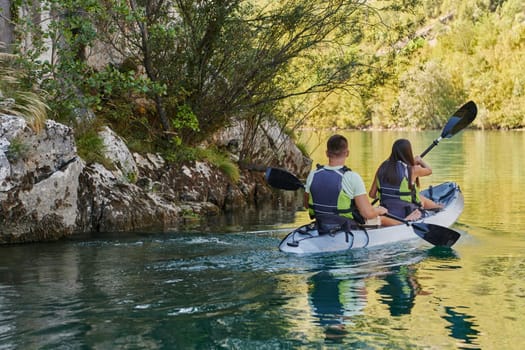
{"x":282,"y":179}
{"x":434,"y":234}
{"x":457,"y":122}
{"x":439,"y":236}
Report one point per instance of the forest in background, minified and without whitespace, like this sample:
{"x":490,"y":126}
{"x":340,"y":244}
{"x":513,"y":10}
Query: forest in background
{"x":166,"y":74}
{"x":467,"y":50}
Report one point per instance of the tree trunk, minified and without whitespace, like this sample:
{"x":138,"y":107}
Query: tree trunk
{"x":6,"y":26}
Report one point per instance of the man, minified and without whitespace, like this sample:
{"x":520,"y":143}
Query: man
{"x":335,"y":195}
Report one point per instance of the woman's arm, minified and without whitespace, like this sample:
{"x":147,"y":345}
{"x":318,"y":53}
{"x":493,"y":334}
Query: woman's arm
{"x":373,"y":188}
{"x":421,"y":168}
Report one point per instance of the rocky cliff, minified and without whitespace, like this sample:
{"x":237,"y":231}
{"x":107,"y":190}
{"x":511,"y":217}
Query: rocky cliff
{"x":47,"y":192}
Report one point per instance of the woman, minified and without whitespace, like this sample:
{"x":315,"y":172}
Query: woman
{"x":396,"y":184}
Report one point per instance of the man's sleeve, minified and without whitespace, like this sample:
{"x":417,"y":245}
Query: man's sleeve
{"x":353,"y":184}
{"x":308,"y":182}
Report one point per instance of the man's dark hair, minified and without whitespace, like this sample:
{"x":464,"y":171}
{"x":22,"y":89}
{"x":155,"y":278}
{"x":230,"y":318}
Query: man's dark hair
{"x":336,"y":145}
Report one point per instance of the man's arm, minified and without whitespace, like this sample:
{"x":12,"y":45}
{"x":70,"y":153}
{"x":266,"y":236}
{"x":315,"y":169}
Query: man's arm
{"x":366,"y":209}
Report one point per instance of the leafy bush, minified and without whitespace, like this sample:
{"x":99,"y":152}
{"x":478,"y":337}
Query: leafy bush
{"x":90,"y":146}
{"x":427,"y":97}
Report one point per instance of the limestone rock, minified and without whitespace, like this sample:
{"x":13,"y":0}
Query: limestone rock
{"x":266,"y":145}
{"x":118,"y":153}
{"x":47,"y":192}
{"x":38,"y":181}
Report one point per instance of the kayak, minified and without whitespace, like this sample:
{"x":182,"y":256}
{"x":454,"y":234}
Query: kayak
{"x":432,"y":227}
{"x":306,"y":239}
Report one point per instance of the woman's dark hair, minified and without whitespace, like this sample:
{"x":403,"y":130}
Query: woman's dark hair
{"x":401,"y":150}
{"x":336,"y":145}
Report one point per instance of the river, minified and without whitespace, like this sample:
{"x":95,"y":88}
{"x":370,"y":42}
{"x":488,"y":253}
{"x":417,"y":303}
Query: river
{"x":228,"y":286}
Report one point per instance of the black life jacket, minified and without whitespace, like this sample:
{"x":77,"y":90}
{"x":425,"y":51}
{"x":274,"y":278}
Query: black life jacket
{"x":328,"y":202}
{"x":398,"y":196}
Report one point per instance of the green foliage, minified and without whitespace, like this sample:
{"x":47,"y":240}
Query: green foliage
{"x":240,"y":59}
{"x":366,"y":49}
{"x":469,"y":50}
{"x":72,"y":85}
{"x":428,"y":95}
{"x":494,"y":38}
{"x":183,"y":119}
{"x":19,"y":98}
{"x":17,"y":150}
{"x":302,"y":147}
{"x":186,"y":69}
{"x":212,"y":155}
{"x":131,"y":177}
{"x":189,"y":215}
{"x":90,"y":146}
{"x":225,"y":164}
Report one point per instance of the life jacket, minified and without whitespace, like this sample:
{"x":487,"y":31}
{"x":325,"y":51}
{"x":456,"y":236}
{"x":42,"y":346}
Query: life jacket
{"x":328,"y":202}
{"x":399,"y":198}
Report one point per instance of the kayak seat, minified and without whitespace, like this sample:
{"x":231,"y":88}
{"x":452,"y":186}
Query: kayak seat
{"x":325,"y":229}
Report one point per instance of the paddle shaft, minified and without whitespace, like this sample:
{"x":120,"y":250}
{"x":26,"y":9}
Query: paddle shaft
{"x":392,"y":216}
{"x":457,"y":122}
{"x":429,"y":148}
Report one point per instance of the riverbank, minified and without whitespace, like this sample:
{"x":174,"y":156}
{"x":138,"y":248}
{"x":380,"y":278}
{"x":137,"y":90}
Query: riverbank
{"x":48,"y":192}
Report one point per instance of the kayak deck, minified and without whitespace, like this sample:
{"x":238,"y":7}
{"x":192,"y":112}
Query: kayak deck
{"x":306,"y":239}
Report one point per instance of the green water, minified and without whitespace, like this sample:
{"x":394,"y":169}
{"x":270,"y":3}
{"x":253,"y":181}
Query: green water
{"x":230,"y":288}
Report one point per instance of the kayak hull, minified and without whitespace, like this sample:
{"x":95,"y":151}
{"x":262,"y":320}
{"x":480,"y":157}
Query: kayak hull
{"x":306,"y":239}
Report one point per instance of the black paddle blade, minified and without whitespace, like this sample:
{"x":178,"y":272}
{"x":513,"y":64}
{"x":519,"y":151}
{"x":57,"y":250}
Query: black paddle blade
{"x":460,"y":120}
{"x":439,"y":236}
{"x":282,"y":179}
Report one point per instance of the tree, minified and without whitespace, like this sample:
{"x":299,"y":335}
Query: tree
{"x":206,"y":63}
{"x":6,"y":26}
{"x":427,"y":96}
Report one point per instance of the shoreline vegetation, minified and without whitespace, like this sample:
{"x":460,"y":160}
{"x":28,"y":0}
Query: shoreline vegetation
{"x":344,"y":65}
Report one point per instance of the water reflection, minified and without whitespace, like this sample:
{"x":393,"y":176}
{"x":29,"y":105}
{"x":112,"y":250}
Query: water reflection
{"x":442,"y":253}
{"x":461,"y":326}
{"x":335,"y":301}
{"x":238,"y":291}
{"x":400,"y":290}
{"x":340,"y":288}
{"x":344,"y":290}
{"x":47,"y":273}
{"x":232,"y":288}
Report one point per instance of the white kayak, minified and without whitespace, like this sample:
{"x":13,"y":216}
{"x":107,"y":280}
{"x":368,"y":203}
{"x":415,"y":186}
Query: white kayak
{"x":431,"y":227}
